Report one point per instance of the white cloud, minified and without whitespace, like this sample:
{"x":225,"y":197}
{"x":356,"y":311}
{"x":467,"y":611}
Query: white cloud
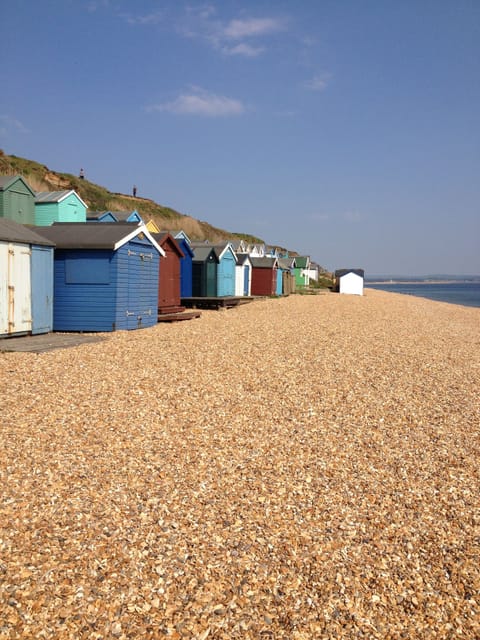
{"x":11,"y":125}
{"x":252,"y":27}
{"x":319,"y":82}
{"x":147,"y":19}
{"x":202,"y":103}
{"x":231,"y":38}
{"x":243,"y":49}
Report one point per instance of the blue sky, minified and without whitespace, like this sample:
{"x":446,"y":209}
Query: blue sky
{"x":346,"y":130}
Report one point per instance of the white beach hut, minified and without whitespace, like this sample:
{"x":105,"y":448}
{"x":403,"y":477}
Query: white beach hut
{"x":349,"y":281}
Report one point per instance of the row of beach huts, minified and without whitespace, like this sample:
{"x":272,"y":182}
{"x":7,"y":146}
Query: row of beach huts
{"x":64,"y":268}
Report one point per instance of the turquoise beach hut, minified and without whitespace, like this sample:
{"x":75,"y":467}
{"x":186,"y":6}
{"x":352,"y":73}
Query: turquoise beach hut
{"x":59,"y":206}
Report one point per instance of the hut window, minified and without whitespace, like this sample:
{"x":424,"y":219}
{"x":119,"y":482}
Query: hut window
{"x":87,"y":270}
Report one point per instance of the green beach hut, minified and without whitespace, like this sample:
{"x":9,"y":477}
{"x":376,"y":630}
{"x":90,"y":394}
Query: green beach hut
{"x":302,"y":265}
{"x":17,"y":200}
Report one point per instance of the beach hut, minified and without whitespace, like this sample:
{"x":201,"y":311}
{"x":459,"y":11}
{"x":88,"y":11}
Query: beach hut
{"x":169,"y":278}
{"x":204,"y":271}
{"x":349,"y":281}
{"x":105,"y":276}
{"x":264,"y":276}
{"x":17,"y":200}
{"x":100,"y":216}
{"x":238,"y":245}
{"x":256,"y":250}
{"x":152,"y":226}
{"x":243,"y":275}
{"x":26,"y":280}
{"x":302,"y":265}
{"x":279,"y":283}
{"x":127,"y":216}
{"x":185,"y":245}
{"x":287,"y":266}
{"x":227,"y":261}
{"x":59,"y":206}
{"x":115,"y":216}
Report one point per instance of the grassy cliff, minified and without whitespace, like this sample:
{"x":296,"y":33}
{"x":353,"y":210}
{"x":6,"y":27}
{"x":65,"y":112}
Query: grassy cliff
{"x":98,"y":198}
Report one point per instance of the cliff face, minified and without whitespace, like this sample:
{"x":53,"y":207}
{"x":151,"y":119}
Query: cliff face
{"x":98,"y":198}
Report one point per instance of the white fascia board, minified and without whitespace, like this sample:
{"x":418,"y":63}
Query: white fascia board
{"x":136,"y":232}
{"x":69,"y":193}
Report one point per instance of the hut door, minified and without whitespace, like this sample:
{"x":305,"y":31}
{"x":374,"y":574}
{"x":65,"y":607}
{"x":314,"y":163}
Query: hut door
{"x":169,"y":295}
{"x":42,"y":290}
{"x":246,"y":276}
{"x":15,"y":289}
{"x":211,"y":279}
{"x":3,"y":288}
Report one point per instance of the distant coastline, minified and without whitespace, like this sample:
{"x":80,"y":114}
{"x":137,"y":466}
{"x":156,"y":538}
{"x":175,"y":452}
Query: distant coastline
{"x":413,"y":281}
{"x":440,"y":279}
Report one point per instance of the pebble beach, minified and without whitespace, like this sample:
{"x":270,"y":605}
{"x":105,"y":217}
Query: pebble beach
{"x":291,"y":469}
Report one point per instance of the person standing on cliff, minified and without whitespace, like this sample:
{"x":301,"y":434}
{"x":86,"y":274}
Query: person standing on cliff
{"x":134,"y":191}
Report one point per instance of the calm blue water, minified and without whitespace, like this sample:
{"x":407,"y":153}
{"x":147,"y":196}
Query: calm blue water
{"x":464,"y":293}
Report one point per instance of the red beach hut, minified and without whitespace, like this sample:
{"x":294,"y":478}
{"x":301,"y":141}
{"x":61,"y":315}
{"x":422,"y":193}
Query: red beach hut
{"x":169,"y":278}
{"x":264,"y":276}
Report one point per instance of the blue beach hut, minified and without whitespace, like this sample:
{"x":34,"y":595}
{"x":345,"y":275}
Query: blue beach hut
{"x":114,"y":216}
{"x":186,"y":285}
{"x":100,"y":216}
{"x":279,"y":285}
{"x":105,"y":276}
{"x":227,"y":261}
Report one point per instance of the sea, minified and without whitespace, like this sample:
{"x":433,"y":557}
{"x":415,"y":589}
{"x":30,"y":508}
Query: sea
{"x":463,"y":293}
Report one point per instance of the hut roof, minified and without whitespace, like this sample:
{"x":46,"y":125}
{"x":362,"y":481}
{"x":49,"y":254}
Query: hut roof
{"x":286,"y":263}
{"x":6,"y":181}
{"x":91,"y":235}
{"x":55,"y":196}
{"x":164,"y":237}
{"x":11,"y":231}
{"x":343,"y":272}
{"x":200,"y":254}
{"x":122,"y":216}
{"x":302,"y":262}
{"x":264,"y":263}
{"x":242,"y":258}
